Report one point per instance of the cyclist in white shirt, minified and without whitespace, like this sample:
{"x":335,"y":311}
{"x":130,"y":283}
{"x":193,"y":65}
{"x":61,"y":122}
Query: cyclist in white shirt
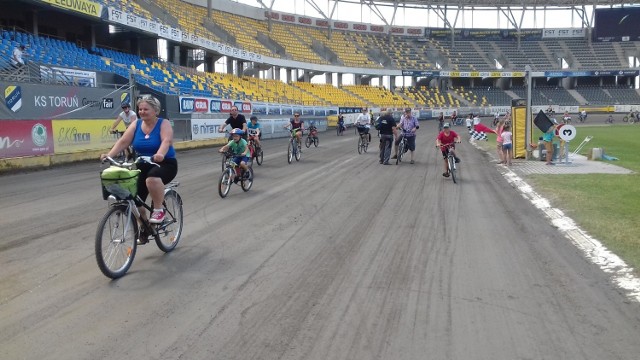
{"x":363,"y":123}
{"x":127,"y":116}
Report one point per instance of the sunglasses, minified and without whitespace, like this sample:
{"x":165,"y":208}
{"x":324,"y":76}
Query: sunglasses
{"x":296,"y":115}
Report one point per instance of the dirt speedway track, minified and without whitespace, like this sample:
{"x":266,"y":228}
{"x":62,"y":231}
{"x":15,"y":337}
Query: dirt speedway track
{"x":333,"y":257}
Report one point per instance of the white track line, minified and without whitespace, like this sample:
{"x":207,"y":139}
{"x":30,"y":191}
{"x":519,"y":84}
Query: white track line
{"x":621,"y":274}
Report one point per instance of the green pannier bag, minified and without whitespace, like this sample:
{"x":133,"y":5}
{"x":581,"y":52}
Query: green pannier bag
{"x":119,"y":182}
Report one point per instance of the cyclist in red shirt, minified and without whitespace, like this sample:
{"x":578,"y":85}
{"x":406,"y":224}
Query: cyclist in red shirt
{"x":446,"y":141}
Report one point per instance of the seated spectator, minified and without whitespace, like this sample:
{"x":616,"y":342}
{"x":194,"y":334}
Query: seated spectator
{"x":16,"y":56}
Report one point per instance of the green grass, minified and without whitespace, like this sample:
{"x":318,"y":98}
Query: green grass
{"x":606,"y":206}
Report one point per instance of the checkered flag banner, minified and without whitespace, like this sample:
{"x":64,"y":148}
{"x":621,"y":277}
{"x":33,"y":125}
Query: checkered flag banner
{"x":476,"y":135}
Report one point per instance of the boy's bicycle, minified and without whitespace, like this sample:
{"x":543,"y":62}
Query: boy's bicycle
{"x":256,"y":152}
{"x":233,"y":173}
{"x":122,"y":228}
{"x":451,"y":162}
{"x":363,"y":142}
{"x":293,"y":149}
{"x":312,"y":137}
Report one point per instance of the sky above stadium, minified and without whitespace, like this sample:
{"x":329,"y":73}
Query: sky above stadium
{"x":480,"y":18}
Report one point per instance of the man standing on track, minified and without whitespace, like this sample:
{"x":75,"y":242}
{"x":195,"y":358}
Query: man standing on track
{"x":387,"y":127}
{"x":408,"y":124}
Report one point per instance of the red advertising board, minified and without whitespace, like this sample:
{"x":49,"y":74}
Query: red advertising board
{"x":25,"y":138}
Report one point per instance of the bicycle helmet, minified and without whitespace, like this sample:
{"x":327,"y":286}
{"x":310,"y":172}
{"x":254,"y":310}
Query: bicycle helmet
{"x":237,"y":131}
{"x":125,"y":105}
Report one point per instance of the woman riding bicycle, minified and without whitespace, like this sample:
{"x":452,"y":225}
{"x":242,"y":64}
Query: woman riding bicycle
{"x":446,"y":142}
{"x":296,"y":126}
{"x":150,"y":136}
{"x":239,"y":148}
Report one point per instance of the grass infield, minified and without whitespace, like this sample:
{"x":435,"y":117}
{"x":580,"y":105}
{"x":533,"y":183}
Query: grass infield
{"x":607,"y":206}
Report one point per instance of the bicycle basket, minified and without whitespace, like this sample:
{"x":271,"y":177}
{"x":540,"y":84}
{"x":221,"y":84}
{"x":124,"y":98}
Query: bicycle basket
{"x":119,"y":182}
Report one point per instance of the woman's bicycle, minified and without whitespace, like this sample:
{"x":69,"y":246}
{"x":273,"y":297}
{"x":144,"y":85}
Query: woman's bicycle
{"x":451,"y":162}
{"x":363,"y":142}
{"x":340,"y":129}
{"x":293,"y":149}
{"x":122,"y":228}
{"x":233,"y":174}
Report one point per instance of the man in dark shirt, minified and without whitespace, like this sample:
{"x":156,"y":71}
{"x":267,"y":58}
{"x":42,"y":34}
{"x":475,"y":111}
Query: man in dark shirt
{"x":387,"y":127}
{"x":237,"y":121}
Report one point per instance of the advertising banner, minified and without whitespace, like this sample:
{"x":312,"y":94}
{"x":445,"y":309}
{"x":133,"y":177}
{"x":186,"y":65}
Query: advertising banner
{"x":202,"y":129}
{"x":205,"y":105}
{"x":78,"y":135}
{"x":33,"y":101}
{"x":82,"y":6}
{"x":71,"y":77}
{"x":25,"y":138}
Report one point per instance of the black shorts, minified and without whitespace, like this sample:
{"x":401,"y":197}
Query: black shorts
{"x":166,"y":172}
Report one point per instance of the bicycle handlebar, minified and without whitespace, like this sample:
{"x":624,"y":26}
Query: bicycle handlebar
{"x":138,"y":160}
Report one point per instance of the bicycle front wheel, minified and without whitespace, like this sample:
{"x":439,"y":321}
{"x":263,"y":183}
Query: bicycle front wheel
{"x":290,"y":152}
{"x":259,"y":157}
{"x":360,"y":146}
{"x":224,"y":184}
{"x":308,"y":142}
{"x":116,"y":242}
{"x":315,"y":142}
{"x":452,"y":169}
{"x":248,"y":182}
{"x":400,"y":152}
{"x":298,"y":153}
{"x":171,"y":228}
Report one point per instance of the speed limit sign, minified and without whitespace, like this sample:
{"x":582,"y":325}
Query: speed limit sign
{"x":566,"y":132}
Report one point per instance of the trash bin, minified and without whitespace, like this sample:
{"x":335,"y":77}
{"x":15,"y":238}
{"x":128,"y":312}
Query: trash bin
{"x":556,"y":151}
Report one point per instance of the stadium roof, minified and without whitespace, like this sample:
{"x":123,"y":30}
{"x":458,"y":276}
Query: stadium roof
{"x":448,"y":11}
{"x":488,"y":3}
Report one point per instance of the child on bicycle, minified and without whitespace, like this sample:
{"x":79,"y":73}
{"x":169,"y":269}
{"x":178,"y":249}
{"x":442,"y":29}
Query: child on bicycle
{"x":446,"y":142}
{"x":239,"y":148}
{"x":254,"y":130}
{"x":363,"y":123}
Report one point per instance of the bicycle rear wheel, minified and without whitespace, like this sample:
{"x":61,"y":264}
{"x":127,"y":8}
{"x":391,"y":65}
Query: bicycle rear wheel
{"x":224,"y":184}
{"x":116,"y":244}
{"x":290,"y":152}
{"x":171,"y":228}
{"x":452,"y":169}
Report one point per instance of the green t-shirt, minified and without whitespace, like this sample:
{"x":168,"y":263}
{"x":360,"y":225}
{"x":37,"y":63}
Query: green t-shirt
{"x":237,"y":148}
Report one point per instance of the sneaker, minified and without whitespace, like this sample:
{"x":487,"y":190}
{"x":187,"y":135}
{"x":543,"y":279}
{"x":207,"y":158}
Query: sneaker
{"x":445,"y":174}
{"x":411,"y":162}
{"x":157,"y":217}
{"x":394,"y":157}
{"x":457,"y":160}
{"x":380,"y":161}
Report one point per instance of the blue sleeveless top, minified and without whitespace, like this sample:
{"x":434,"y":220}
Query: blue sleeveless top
{"x":150,"y":146}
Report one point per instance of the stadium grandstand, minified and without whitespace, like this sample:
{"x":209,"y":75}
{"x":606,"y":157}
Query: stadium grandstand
{"x":427,"y":55}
